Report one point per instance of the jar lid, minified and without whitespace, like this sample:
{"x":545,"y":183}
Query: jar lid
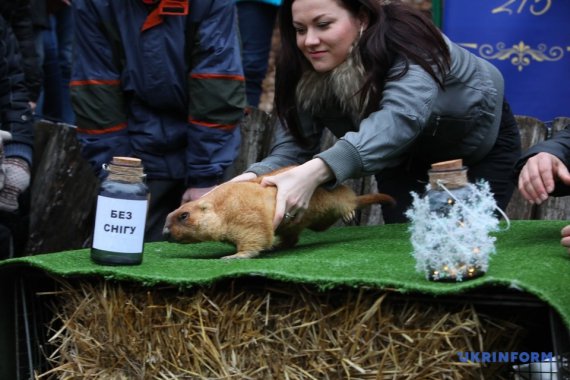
{"x":448,"y":165}
{"x":451,"y":173}
{"x":126,"y":161}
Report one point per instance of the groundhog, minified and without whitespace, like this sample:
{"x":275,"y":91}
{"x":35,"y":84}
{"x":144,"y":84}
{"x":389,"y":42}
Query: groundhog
{"x":241,"y":213}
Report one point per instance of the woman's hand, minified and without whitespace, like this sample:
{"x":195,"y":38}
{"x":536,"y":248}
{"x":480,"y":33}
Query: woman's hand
{"x":295,"y":187}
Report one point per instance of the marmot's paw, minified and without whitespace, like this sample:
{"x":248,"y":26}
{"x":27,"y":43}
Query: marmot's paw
{"x":242,"y":255}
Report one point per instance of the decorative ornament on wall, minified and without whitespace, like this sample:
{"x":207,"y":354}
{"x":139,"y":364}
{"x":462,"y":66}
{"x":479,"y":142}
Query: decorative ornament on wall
{"x":520,"y":55}
{"x":451,"y":224}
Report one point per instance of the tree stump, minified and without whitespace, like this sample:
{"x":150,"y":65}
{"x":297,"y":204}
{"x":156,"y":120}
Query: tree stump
{"x":369,"y":216}
{"x":256,"y":132}
{"x":63,"y":192}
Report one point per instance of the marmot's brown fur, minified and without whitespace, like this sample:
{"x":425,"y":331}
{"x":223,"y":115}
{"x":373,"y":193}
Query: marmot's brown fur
{"x":242,"y":213}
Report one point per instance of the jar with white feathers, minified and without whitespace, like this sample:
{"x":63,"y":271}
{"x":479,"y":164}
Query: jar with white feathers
{"x":450,"y":224}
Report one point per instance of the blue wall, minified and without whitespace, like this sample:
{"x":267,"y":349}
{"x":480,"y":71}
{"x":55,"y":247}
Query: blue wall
{"x":528,"y":40}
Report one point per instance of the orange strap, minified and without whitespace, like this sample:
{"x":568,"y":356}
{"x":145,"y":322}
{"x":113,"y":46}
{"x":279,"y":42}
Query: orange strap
{"x":165,"y":8}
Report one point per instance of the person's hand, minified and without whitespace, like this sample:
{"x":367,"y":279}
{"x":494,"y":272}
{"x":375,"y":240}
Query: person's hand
{"x":565,"y":241}
{"x":537,"y":177}
{"x":247,"y":176}
{"x":295,"y":187}
{"x":193,"y":193}
{"x":16,"y":181}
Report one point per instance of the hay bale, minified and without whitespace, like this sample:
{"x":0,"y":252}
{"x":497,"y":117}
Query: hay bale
{"x":248,"y":331}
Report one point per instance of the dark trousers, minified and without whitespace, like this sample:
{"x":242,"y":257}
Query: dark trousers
{"x":496,"y":168}
{"x":256,"y":21}
{"x":14,"y":228}
{"x":165,"y":197}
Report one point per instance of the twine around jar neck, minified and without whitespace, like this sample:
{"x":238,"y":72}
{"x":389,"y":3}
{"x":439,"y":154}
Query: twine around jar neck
{"x":125,"y":169}
{"x":452,"y":179}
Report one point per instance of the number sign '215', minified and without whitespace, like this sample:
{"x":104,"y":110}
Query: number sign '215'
{"x":535,"y":7}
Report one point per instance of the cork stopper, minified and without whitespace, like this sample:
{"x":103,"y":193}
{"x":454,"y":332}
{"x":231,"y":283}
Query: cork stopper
{"x":451,"y":173}
{"x":126,"y":161}
{"x":126,"y":169}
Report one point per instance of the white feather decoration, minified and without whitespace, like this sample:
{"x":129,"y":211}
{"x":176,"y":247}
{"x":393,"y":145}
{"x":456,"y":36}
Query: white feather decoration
{"x":454,"y":245}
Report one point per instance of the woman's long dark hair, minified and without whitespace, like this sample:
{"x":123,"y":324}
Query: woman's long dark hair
{"x":394,"y":30}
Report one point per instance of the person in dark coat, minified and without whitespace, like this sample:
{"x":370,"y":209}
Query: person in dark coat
{"x":18,"y":15}
{"x":16,"y":145}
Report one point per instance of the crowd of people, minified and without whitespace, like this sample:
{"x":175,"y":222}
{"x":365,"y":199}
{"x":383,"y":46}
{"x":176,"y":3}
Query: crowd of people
{"x":168,"y":82}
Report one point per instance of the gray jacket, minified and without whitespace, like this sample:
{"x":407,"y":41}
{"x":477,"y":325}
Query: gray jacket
{"x":414,"y":117}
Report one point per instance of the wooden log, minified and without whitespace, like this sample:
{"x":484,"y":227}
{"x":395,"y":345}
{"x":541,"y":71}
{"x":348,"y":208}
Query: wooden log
{"x":369,"y":216}
{"x":256,"y":130}
{"x":63,"y":192}
{"x":532,"y":131}
{"x":555,"y":208}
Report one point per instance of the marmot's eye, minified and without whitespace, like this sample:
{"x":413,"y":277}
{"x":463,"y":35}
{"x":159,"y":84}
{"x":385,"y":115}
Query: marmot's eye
{"x":182,"y":217}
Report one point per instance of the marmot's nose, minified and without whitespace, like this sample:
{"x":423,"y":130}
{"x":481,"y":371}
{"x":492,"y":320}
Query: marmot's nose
{"x":166,"y":233}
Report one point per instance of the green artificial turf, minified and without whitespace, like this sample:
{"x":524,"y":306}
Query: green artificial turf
{"x":529,"y":258}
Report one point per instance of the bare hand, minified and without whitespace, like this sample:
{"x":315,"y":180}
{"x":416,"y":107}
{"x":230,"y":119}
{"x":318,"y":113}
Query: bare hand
{"x":295,"y":187}
{"x":193,"y":193}
{"x":538,"y":176}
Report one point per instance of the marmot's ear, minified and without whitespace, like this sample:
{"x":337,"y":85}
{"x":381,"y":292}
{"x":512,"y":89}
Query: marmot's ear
{"x":204,"y":205}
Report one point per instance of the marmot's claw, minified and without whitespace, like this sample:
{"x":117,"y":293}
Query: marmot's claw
{"x":347,"y":218}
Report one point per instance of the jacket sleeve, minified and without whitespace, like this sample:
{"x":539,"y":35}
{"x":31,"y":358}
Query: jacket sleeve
{"x":386,"y":135}
{"x":16,"y":116}
{"x":217,"y":96}
{"x":559,"y":146}
{"x":96,"y":90}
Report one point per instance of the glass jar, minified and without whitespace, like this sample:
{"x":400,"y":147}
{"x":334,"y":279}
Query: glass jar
{"x":448,"y":186}
{"x":120,"y":220}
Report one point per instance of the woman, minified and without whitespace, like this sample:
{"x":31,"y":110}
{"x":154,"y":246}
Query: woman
{"x":398,"y":95}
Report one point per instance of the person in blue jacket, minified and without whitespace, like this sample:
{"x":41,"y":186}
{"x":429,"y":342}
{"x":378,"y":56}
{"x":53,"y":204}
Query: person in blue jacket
{"x":256,"y":23}
{"x":161,"y":81}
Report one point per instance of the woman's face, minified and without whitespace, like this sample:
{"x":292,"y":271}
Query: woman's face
{"x":325,"y":32}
